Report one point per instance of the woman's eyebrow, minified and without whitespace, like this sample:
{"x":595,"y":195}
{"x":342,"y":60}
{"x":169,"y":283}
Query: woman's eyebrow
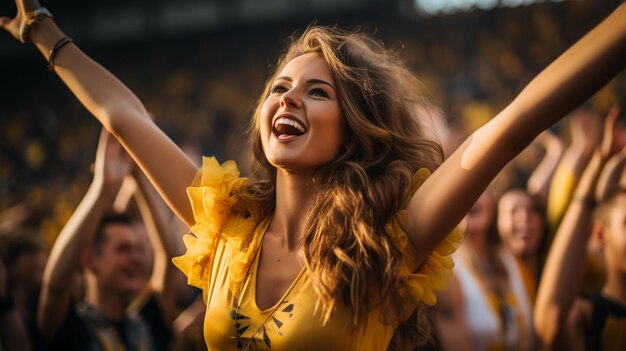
{"x":320,"y":81}
{"x":310,"y":81}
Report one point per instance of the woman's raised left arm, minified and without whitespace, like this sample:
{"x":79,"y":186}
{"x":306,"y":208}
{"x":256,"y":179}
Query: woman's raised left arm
{"x":442,"y":201}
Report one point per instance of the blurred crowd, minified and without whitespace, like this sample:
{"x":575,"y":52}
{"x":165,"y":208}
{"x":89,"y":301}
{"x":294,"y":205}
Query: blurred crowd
{"x":471,"y":65}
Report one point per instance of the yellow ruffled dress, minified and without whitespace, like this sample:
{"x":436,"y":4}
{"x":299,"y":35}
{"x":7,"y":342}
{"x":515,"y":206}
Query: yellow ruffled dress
{"x":221,"y":253}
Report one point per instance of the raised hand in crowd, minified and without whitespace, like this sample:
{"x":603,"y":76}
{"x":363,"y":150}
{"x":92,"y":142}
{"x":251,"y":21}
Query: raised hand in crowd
{"x":121,"y":296}
{"x":538,"y":184}
{"x":564,"y":319}
{"x":338,"y":107}
{"x":584,"y":139}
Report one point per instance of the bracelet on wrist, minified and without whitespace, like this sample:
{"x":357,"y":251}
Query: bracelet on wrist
{"x":55,"y":50}
{"x":31,"y":19}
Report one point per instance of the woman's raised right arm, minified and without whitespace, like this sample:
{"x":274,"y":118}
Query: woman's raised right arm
{"x":116,"y":107}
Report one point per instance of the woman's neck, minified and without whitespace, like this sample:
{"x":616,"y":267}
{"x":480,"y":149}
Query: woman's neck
{"x":294,"y":193}
{"x":615,"y":286}
{"x":530,"y":263}
{"x":112,"y":306}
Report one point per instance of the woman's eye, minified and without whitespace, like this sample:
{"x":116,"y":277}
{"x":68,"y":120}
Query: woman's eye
{"x":278,"y":89}
{"x":318,"y":92}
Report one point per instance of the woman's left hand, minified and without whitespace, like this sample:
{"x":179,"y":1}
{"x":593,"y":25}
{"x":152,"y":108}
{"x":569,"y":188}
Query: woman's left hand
{"x":15,"y":26}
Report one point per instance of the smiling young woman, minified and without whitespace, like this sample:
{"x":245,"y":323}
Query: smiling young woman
{"x":301,"y":122}
{"x":333,"y":242}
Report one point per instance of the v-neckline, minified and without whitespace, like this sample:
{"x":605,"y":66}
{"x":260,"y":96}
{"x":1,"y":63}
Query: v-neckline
{"x":254,"y":276}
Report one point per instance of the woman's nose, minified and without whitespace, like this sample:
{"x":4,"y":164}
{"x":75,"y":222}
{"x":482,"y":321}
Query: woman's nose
{"x":522,"y":215}
{"x":290,"y":98}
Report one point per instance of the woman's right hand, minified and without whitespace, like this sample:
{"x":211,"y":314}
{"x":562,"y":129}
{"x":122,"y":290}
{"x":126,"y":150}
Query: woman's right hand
{"x":15,"y":26}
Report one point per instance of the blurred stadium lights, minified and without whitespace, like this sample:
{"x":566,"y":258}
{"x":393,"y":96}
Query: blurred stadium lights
{"x":135,"y":20}
{"x":104,"y":22}
{"x":435,"y":7}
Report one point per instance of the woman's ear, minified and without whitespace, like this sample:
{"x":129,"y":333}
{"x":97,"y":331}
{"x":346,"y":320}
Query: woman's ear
{"x":597,"y":234}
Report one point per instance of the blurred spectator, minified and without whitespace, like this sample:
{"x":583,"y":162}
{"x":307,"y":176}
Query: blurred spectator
{"x":116,"y":269}
{"x":24,"y":257}
{"x":596,"y":320}
{"x":584,"y":137}
{"x":462,"y":60}
{"x":486,"y":306}
{"x":521,"y":226}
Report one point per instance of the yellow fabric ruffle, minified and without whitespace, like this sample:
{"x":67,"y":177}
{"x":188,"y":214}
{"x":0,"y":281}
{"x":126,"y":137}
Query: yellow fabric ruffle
{"x":435,"y":272}
{"x":212,"y":202}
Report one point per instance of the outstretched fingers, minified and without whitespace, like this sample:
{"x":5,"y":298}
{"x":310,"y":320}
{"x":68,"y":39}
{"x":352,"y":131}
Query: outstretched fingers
{"x":18,"y":26}
{"x":611,"y":143}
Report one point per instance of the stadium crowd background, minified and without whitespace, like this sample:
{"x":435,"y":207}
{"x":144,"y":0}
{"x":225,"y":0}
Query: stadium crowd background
{"x":194,"y":79}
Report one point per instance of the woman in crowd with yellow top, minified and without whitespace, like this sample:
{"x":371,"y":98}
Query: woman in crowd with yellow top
{"x":333,"y":242}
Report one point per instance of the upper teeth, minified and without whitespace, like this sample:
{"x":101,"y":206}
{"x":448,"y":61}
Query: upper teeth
{"x":291,"y":122}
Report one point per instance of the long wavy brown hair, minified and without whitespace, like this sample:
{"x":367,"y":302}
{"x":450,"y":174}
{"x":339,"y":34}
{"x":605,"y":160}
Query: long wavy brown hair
{"x":352,"y":260}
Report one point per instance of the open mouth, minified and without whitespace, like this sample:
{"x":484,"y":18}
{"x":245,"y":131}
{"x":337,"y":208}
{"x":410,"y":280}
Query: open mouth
{"x":522,"y":233}
{"x":133,"y":273}
{"x":286,"y":127}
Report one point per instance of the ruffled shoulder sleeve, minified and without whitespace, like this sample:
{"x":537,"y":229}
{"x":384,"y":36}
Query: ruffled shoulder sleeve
{"x":435,"y":272}
{"x":213,"y":205}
